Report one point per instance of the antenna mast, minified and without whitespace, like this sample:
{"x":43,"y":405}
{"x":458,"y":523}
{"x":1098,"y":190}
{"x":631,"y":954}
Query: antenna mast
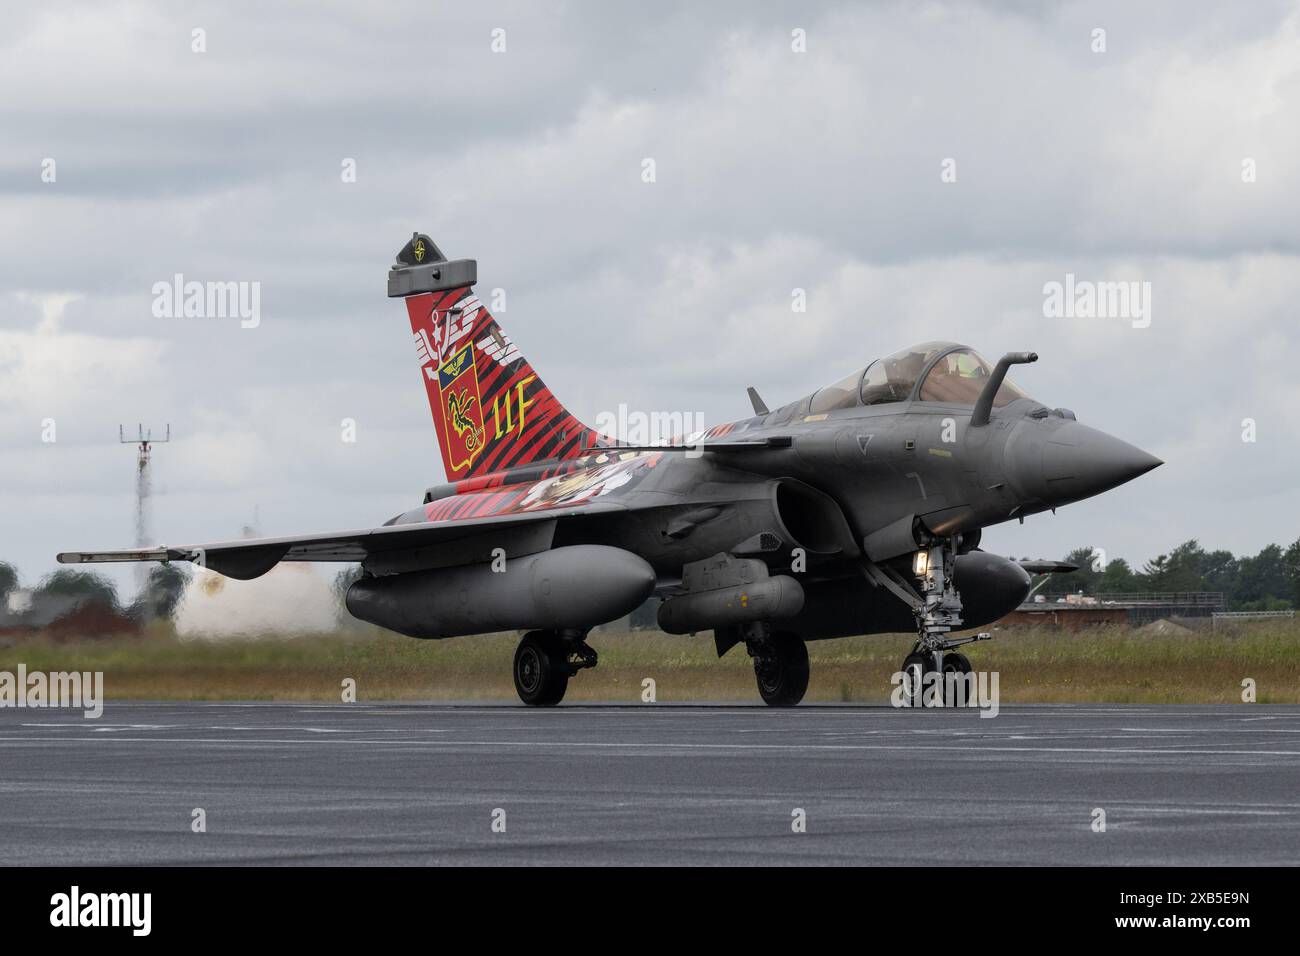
{"x":145,"y":440}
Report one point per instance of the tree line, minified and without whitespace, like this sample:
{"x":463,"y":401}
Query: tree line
{"x":157,"y":599}
{"x":1267,"y":581}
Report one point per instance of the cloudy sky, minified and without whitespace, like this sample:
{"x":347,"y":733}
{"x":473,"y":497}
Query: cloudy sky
{"x":775,"y":169}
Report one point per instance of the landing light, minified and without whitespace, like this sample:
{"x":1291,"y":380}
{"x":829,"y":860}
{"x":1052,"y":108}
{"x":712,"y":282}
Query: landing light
{"x":921,"y":563}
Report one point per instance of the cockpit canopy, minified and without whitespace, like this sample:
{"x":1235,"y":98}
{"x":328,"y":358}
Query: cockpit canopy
{"x":947,"y":372}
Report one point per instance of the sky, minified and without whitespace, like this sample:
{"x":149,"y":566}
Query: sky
{"x":920,"y":170}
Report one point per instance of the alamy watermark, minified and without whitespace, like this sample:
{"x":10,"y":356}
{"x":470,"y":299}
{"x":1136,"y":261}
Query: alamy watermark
{"x":1085,"y":299}
{"x":951,"y":689}
{"x":655,"y":428}
{"x":73,"y":689}
{"x":76,"y":908}
{"x":179,"y":299}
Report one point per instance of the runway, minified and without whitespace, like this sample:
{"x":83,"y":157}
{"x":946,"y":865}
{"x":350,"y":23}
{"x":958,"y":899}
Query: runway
{"x":654,"y":784}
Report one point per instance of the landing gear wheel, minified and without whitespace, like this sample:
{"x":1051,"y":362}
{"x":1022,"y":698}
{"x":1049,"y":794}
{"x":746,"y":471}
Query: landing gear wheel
{"x":541,"y":669}
{"x":782,"y":671}
{"x":916,"y":666}
{"x":954,"y":663}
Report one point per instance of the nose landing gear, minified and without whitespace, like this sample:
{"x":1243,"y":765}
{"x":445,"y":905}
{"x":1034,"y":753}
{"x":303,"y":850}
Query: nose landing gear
{"x":938,"y":611}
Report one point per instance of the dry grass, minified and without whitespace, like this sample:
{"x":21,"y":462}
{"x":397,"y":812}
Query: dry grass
{"x":1115,"y":665}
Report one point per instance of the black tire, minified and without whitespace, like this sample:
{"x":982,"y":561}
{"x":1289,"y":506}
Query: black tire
{"x":954,"y":664}
{"x":541,"y":669}
{"x":916,"y":666}
{"x":782,"y":674}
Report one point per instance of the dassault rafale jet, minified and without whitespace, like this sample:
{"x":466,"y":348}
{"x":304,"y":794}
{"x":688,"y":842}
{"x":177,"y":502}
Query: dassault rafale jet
{"x":854,"y":510}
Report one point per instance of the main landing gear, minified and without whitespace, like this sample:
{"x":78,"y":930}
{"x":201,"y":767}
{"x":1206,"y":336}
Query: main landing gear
{"x":544,"y":662}
{"x":780,"y":664}
{"x":937,"y":613}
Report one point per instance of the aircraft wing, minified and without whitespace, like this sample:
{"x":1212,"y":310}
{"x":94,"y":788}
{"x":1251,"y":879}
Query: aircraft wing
{"x":446,"y":531}
{"x":455,"y":539}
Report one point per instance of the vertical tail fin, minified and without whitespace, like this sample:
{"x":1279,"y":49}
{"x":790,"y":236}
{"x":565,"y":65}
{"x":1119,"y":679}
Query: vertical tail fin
{"x":490,"y":408}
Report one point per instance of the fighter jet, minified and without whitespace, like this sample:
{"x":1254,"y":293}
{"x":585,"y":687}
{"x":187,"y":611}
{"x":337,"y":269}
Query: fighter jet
{"x":857,"y":509}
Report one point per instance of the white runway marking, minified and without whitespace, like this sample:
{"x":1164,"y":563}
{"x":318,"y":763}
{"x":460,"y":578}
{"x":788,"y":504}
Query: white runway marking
{"x":613,"y":745}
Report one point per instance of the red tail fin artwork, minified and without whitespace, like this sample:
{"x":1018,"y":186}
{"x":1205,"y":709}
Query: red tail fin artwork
{"x":490,"y":408}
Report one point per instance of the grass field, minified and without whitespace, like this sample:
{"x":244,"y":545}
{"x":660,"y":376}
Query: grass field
{"x":1115,"y":665}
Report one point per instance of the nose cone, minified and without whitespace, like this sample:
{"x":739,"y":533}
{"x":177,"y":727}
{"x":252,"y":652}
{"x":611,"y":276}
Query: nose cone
{"x":1075,"y":462}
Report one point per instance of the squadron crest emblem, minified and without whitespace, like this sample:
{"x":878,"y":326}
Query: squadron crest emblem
{"x":462,"y":409}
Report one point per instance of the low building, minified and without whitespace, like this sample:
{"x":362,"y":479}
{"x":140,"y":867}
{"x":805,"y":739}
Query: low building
{"x":1074,"y":612}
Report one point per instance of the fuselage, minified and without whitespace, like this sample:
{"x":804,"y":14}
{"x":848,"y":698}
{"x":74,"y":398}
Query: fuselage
{"x":825,"y":486}
{"x":878,"y":464}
